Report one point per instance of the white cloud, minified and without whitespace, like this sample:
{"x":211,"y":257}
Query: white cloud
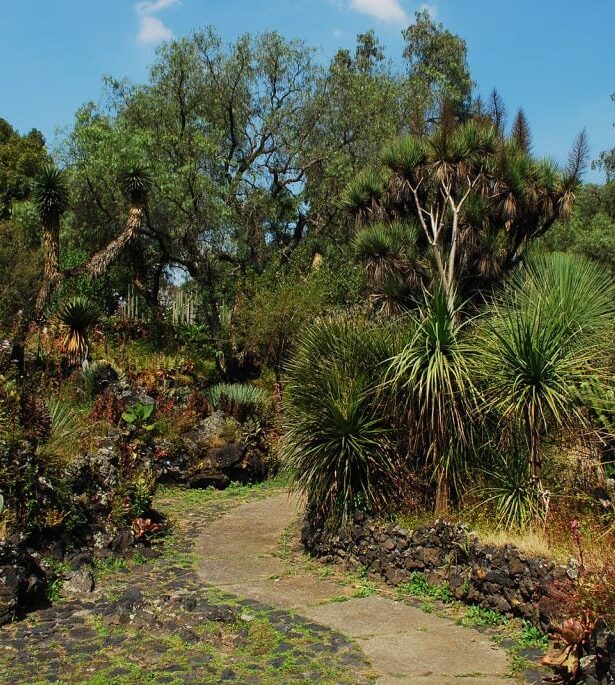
{"x":152,"y":6}
{"x":338,"y":33}
{"x":152,"y":30}
{"x":386,"y":10}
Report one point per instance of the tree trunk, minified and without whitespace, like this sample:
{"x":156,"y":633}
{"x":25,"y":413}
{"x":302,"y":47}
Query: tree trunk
{"x":442,"y":493}
{"x":51,"y":263}
{"x":101,"y":261}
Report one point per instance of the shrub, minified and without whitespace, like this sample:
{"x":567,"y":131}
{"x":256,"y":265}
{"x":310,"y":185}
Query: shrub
{"x":338,"y":447}
{"x":240,"y":400}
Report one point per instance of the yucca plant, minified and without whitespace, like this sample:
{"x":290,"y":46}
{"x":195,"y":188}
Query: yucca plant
{"x":76,"y":317}
{"x":135,"y":179}
{"x":433,"y":373}
{"x":340,"y":447}
{"x":50,"y":192}
{"x":542,"y":338}
{"x":50,"y":195}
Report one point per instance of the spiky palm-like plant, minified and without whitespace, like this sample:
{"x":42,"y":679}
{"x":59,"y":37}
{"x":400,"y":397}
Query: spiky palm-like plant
{"x":567,"y":287}
{"x":50,"y":195}
{"x":517,"y":496}
{"x":463,"y":182}
{"x":339,"y":448}
{"x":237,"y":399}
{"x":76,"y":317}
{"x":542,"y":338}
{"x":405,"y":158}
{"x":433,"y":373}
{"x":135,"y":180}
{"x":385,"y":249}
{"x":364,"y":195}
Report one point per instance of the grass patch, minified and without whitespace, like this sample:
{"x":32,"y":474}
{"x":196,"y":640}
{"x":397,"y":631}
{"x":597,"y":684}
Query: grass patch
{"x":419,"y":587}
{"x":478,"y":617}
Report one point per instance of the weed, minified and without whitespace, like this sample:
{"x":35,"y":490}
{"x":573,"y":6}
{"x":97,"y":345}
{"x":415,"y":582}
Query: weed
{"x":532,"y":637}
{"x":419,"y":587}
{"x":484,"y":618}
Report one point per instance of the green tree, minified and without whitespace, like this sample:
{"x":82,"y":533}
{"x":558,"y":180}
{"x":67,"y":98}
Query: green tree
{"x":477,"y":197}
{"x":20,"y":158}
{"x":438,"y":72}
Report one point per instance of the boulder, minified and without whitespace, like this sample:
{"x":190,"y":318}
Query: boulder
{"x":209,"y":478}
{"x":80,"y":582}
{"x":223,"y":465}
{"x":129,"y":395}
{"x":22,"y":581}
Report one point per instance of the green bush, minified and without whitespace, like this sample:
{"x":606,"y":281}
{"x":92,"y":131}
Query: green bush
{"x":339,"y":447}
{"x":239,"y":400}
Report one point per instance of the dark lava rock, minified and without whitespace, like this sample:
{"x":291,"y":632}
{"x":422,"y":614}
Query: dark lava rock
{"x":22,"y":580}
{"x":80,"y":582}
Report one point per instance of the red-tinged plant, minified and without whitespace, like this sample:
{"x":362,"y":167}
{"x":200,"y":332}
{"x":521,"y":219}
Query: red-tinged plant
{"x":144,"y":528}
{"x":586,"y":600}
{"x":198,"y":404}
{"x":165,"y":406}
{"x":107,"y":407}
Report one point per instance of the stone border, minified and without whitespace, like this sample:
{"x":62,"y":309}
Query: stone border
{"x":503,"y":579}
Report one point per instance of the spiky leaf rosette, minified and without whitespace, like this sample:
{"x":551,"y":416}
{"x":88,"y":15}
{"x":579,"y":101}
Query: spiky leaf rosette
{"x":339,"y":447}
{"x":76,"y":317}
{"x":364,"y":193}
{"x":49,"y":191}
{"x":136,"y":181}
{"x":404,"y":156}
{"x":385,"y":249}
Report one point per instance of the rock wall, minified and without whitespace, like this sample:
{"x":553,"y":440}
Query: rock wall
{"x":499,"y":578}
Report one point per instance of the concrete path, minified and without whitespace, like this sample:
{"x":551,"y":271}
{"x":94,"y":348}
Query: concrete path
{"x":402,"y":643}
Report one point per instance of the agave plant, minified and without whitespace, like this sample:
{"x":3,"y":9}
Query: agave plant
{"x":76,"y":317}
{"x":237,"y":399}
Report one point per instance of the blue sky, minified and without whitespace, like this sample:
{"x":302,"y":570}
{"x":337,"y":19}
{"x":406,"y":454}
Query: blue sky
{"x":553,"y":57}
